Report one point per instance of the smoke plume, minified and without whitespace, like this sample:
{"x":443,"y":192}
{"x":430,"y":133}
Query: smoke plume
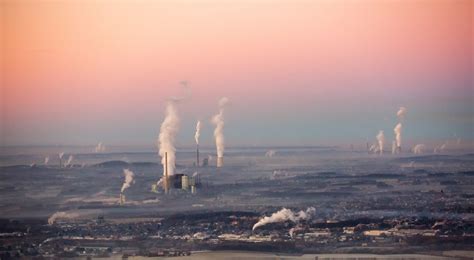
{"x":61,"y":215}
{"x":218,"y":121}
{"x":380,"y":141}
{"x":398,"y":134}
{"x":394,"y":147}
{"x":270,"y":153}
{"x":100,"y":148}
{"x":46,"y":160}
{"x":128,"y":179}
{"x":61,"y":155}
{"x":418,"y":149}
{"x":169,"y":129}
{"x":285,"y":215}
{"x":69,"y":161}
{"x":401,"y":113}
{"x":198,"y":131}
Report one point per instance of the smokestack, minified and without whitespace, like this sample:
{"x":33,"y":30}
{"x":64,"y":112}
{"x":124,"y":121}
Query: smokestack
{"x":398,"y":137}
{"x":122,"y":199}
{"x":220,"y":161}
{"x":380,"y":141}
{"x":218,"y":121}
{"x":196,"y":137}
{"x":61,"y":160}
{"x":166,"y":178}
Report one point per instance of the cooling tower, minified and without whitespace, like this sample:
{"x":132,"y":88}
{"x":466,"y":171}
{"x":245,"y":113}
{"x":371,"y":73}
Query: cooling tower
{"x":220,"y":161}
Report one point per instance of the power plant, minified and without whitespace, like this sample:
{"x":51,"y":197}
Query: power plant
{"x":176,"y":181}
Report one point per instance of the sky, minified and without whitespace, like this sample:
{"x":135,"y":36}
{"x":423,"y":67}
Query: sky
{"x":320,"y":72}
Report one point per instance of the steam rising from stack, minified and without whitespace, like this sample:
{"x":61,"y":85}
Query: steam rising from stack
{"x":69,"y":161}
{"x":285,"y":215}
{"x":380,"y":141}
{"x":61,"y":215}
{"x":196,"y":137}
{"x":398,"y":129}
{"x":100,"y":148}
{"x":418,"y":149}
{"x":128,"y":179}
{"x":61,"y":155}
{"x":46,"y":160}
{"x":218,"y":121}
{"x":398,"y":137}
{"x":270,"y":153}
{"x":169,"y":129}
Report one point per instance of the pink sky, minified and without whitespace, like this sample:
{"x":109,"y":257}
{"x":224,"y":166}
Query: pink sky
{"x":77,"y":71}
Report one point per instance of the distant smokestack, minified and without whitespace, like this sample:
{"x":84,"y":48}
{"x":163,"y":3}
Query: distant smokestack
{"x":218,"y":121}
{"x":122,"y":199}
{"x":61,"y":160}
{"x":380,"y":141}
{"x":166,"y":176}
{"x":100,"y":148}
{"x":69,"y":161}
{"x":418,"y":149}
{"x":196,"y":137}
{"x":128,"y":179}
{"x":398,"y":137}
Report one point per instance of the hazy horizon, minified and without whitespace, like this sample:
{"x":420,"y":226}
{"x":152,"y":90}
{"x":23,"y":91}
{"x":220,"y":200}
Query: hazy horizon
{"x":296,"y":72}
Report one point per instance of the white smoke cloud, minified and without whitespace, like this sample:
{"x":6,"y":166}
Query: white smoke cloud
{"x":169,"y":128}
{"x":128,"y":179}
{"x":166,"y":139}
{"x":398,"y":134}
{"x":285,"y":215}
{"x":418,"y":149}
{"x":373,"y":148}
{"x":270,"y":153}
{"x":218,"y":121}
{"x":100,"y":148}
{"x":61,"y":155}
{"x":46,"y":160}
{"x":69,"y":161}
{"x":394,"y":147}
{"x":198,"y":131}
{"x":380,"y":141}
{"x":401,"y":113}
{"x":61,"y":215}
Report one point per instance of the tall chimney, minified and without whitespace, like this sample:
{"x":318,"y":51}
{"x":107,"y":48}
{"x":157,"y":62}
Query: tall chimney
{"x":166,"y":178}
{"x":122,"y":198}
{"x":197,"y":155}
{"x":220,"y":162}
